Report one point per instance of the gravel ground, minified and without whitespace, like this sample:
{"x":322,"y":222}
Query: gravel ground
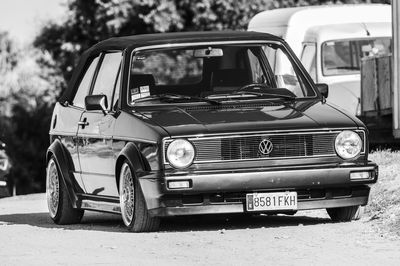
{"x":28,"y":237}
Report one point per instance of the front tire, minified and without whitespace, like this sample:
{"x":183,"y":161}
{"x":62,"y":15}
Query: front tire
{"x":58,"y":202}
{"x":345,"y":214}
{"x":133,"y":206}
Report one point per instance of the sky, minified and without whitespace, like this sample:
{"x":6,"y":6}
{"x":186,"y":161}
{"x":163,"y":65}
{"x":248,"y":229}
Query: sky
{"x":23,"y":18}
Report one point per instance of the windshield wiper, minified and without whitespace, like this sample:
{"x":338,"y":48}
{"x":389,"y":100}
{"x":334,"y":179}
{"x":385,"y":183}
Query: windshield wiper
{"x":275,"y":95}
{"x":171,"y":97}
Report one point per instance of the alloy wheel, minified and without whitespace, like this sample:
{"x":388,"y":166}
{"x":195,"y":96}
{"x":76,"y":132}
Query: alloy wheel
{"x":127,"y":194}
{"x":52,"y":188}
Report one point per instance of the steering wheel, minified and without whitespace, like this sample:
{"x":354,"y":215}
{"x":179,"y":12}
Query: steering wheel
{"x":252,"y":86}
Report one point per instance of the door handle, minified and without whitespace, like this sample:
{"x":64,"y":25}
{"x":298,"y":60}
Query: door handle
{"x":83,"y":123}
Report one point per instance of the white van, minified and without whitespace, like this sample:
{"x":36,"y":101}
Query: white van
{"x":330,"y":41}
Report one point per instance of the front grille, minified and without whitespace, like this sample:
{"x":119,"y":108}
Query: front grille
{"x":285,"y":145}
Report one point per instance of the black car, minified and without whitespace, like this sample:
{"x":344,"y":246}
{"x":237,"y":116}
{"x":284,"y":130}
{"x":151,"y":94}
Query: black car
{"x":198,"y":123}
{"x":4,"y":170}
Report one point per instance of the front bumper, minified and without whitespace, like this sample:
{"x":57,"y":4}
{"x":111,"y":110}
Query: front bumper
{"x":317,"y":186}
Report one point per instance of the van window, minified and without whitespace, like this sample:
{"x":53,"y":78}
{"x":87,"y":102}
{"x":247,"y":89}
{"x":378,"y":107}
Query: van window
{"x":308,"y":59}
{"x":343,"y":57}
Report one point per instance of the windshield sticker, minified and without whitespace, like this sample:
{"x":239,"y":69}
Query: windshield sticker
{"x":135,"y":94}
{"x":141,"y":92}
{"x":144,"y":89}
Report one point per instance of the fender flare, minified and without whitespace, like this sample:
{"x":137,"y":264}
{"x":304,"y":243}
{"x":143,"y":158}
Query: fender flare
{"x":147,"y":184}
{"x":57,"y":150}
{"x":130,"y":153}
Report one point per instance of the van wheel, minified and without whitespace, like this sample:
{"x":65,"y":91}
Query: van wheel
{"x":58,"y":202}
{"x":345,"y":214}
{"x":133,"y":206}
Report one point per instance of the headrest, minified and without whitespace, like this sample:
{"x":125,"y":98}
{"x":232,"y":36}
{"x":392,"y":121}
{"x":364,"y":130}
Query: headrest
{"x":230,"y":77}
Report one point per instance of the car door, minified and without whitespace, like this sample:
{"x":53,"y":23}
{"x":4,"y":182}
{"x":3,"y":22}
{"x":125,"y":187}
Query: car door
{"x":66,"y":119}
{"x":96,"y":155}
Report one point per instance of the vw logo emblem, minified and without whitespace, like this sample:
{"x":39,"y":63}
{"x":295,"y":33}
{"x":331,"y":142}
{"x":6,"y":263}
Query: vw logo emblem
{"x":265,"y":146}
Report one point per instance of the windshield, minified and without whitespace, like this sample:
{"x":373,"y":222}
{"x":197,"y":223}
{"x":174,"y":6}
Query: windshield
{"x":344,"y":57}
{"x":213,"y":72}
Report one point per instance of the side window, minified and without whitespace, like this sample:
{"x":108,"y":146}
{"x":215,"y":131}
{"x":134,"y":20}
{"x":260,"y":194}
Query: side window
{"x":308,"y":58}
{"x":107,"y":76}
{"x":84,"y":86}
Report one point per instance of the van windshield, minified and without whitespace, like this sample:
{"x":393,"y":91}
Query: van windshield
{"x":343,"y":57}
{"x":214,"y":72}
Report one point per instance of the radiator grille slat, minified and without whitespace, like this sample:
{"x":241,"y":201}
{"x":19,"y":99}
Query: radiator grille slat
{"x":238,"y":148}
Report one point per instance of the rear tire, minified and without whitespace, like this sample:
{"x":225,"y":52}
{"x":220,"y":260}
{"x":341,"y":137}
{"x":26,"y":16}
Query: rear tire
{"x":58,"y":202}
{"x":133,"y":206}
{"x":345,"y":214}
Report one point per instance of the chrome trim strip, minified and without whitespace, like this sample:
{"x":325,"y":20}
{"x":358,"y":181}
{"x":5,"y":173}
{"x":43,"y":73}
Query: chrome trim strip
{"x":96,"y":174}
{"x":94,"y":136}
{"x":242,"y":133}
{"x":121,"y":138}
{"x":183,"y":44}
{"x":274,"y":132}
{"x":101,"y":206}
{"x":62,"y":133}
{"x":116,"y":138}
{"x":265,"y":159}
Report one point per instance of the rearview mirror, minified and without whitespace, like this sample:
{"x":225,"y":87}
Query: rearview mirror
{"x":96,"y":102}
{"x":323,"y":89}
{"x":208,"y":52}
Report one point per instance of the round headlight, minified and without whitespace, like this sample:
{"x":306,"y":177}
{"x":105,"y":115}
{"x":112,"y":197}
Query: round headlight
{"x":348,"y":144}
{"x":180,"y":153}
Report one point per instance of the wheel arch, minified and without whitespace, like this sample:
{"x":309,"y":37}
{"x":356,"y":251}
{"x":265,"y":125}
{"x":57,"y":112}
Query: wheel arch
{"x":57,"y":151}
{"x":132,"y":154}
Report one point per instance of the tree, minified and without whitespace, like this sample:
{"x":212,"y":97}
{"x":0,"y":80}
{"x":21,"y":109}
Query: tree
{"x":28,"y":92}
{"x":90,"y":21}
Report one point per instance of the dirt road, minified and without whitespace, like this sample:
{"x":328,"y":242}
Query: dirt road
{"x":28,"y":237}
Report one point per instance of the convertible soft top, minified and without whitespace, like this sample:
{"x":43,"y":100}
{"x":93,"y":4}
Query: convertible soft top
{"x":134,"y":41}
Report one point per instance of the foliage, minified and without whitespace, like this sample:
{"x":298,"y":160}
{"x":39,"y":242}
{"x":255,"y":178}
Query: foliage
{"x":384,"y":205}
{"x":28,"y":93}
{"x":90,"y":21}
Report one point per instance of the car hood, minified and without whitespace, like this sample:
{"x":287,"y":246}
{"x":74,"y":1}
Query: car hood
{"x":195,"y":120}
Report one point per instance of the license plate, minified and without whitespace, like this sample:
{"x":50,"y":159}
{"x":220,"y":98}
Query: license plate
{"x":271,"y":201}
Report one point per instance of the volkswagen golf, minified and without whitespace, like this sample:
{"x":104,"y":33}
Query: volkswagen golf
{"x":199,"y":123}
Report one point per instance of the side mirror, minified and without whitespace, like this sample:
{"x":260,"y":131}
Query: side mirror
{"x":323,"y":89}
{"x":96,"y":102}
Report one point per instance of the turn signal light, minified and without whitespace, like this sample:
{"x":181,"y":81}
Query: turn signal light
{"x":179,"y":184}
{"x":360,"y":175}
